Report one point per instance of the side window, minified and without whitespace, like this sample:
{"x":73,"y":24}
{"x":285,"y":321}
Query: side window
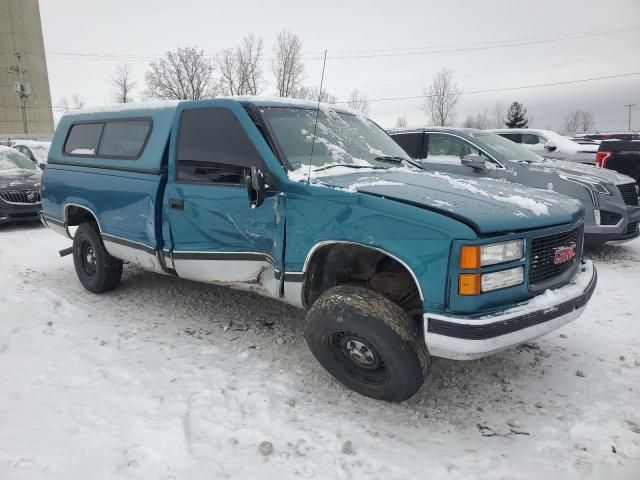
{"x":443,"y":148}
{"x":530,"y":139}
{"x":410,"y":143}
{"x":83,"y":139}
{"x":213,"y":148}
{"x":514,"y":137}
{"x":124,"y":139}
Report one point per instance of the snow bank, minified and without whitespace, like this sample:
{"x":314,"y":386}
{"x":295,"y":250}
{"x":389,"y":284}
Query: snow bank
{"x":168,"y":379}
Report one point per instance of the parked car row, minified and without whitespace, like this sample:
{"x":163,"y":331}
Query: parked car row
{"x":610,"y":199}
{"x":394,"y":258}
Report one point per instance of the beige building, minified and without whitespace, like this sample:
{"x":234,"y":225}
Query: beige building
{"x":23,"y":67}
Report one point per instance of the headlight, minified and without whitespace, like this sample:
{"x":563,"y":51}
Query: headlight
{"x":473,"y":257}
{"x":592,"y":185}
{"x":503,"y":279}
{"x":476,"y":283}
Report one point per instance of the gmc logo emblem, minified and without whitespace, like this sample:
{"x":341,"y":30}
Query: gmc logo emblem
{"x":564,"y":254}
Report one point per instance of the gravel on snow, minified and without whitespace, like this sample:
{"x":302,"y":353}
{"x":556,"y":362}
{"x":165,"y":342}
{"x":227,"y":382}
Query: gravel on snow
{"x":168,"y":379}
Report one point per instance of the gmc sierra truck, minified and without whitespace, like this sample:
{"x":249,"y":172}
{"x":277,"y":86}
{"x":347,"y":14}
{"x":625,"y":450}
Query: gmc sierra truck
{"x":318,"y":207}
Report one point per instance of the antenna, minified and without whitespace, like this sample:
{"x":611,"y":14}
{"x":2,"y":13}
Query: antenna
{"x":315,"y":125}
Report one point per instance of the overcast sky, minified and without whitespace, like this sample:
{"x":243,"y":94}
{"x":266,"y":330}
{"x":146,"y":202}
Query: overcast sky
{"x":489,"y":45}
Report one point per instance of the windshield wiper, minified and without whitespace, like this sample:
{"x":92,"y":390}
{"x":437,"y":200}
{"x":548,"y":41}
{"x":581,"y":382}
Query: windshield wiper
{"x":390,"y":159}
{"x":350,"y":165}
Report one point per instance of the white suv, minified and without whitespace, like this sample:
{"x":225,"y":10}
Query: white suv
{"x":550,"y":144}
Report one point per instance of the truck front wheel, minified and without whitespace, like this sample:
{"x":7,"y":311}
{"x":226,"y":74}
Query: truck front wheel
{"x":367,"y":342}
{"x":98,"y":271}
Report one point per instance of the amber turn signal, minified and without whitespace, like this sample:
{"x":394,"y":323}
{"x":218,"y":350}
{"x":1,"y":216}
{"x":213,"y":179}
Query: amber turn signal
{"x":469,"y":284}
{"x":470,"y":257}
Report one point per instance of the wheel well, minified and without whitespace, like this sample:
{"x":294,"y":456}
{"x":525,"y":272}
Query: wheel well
{"x":75,"y":215}
{"x":346,"y":263}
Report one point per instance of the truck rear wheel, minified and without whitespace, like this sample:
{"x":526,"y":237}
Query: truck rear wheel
{"x":367,"y":342}
{"x":98,"y":271}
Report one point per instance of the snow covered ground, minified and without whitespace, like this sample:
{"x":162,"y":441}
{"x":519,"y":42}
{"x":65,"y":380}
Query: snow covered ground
{"x":164,"y":378}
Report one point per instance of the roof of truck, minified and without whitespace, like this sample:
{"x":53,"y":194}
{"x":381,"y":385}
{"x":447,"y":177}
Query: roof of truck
{"x":259,"y":101}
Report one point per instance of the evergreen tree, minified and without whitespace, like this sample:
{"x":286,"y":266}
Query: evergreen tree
{"x":517,"y":116}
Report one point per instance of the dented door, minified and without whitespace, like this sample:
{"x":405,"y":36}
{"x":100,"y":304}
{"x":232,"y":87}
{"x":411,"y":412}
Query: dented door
{"x":216,"y":236}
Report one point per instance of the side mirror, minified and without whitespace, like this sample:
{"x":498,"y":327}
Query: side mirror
{"x":255,"y":187}
{"x":476,"y":162}
{"x":550,"y":146}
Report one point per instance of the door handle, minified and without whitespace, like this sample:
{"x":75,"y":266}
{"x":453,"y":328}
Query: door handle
{"x":176,"y":204}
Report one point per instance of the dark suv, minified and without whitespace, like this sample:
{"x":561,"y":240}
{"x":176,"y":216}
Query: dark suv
{"x":19,"y":187}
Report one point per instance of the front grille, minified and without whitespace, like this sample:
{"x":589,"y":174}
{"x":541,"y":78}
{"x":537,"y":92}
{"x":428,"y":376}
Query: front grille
{"x":21,"y":196}
{"x":629,"y":193}
{"x":543,"y":250}
{"x":632,"y":227}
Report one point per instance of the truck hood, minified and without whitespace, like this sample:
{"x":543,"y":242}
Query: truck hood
{"x":586,"y":172}
{"x":489,"y":206}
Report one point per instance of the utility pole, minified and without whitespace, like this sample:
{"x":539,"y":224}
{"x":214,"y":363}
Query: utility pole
{"x":629,"y":105}
{"x":21,"y":88}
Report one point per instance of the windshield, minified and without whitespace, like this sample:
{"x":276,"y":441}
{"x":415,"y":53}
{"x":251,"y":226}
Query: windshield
{"x":11,"y":159}
{"x":342,"y":140}
{"x":40,"y":151}
{"x":508,"y":149}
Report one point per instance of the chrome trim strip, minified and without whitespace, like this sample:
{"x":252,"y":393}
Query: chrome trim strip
{"x":225,"y":256}
{"x":129,"y":243}
{"x":134,"y":255}
{"x":323,"y":243}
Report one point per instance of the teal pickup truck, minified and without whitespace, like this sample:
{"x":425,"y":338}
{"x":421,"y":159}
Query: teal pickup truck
{"x":318,"y":207}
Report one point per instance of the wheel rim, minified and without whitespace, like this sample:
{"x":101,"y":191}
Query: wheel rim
{"x":88,"y":258}
{"x":357,"y":356}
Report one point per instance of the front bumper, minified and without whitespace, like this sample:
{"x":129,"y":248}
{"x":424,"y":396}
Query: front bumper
{"x":626,"y":229}
{"x":467,"y":338}
{"x":14,"y":213}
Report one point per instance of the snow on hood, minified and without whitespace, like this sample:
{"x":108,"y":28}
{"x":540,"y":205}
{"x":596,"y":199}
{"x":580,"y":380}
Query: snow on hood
{"x":586,"y":172}
{"x":488,"y":205}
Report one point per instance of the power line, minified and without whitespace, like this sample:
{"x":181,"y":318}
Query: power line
{"x":355,"y":54}
{"x":470,"y":92}
{"x":497,"y":73}
{"x":523,"y":87}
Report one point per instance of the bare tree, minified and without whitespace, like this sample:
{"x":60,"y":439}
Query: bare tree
{"x":587,"y":122}
{"x":498,"y":115}
{"x":122,"y":84}
{"x":313,"y":93}
{"x":287,"y":65}
{"x":572,"y":121}
{"x":77,"y":102}
{"x":240,"y":68}
{"x":479,"y":121}
{"x":401,"y":122}
{"x":441,"y":98}
{"x":185,"y":74}
{"x":357,"y":100}
{"x":579,"y":121}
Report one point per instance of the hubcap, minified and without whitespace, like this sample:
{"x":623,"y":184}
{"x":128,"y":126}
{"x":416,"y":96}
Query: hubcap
{"x":91,"y":258}
{"x":88,"y":258}
{"x":360,"y":352}
{"x":357,"y":357}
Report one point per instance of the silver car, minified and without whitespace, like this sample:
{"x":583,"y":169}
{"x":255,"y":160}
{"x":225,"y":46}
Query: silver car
{"x":610,"y":199}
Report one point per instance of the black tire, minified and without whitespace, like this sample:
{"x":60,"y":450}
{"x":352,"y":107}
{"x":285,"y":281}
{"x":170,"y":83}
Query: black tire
{"x":98,"y":271}
{"x":394,"y":362}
